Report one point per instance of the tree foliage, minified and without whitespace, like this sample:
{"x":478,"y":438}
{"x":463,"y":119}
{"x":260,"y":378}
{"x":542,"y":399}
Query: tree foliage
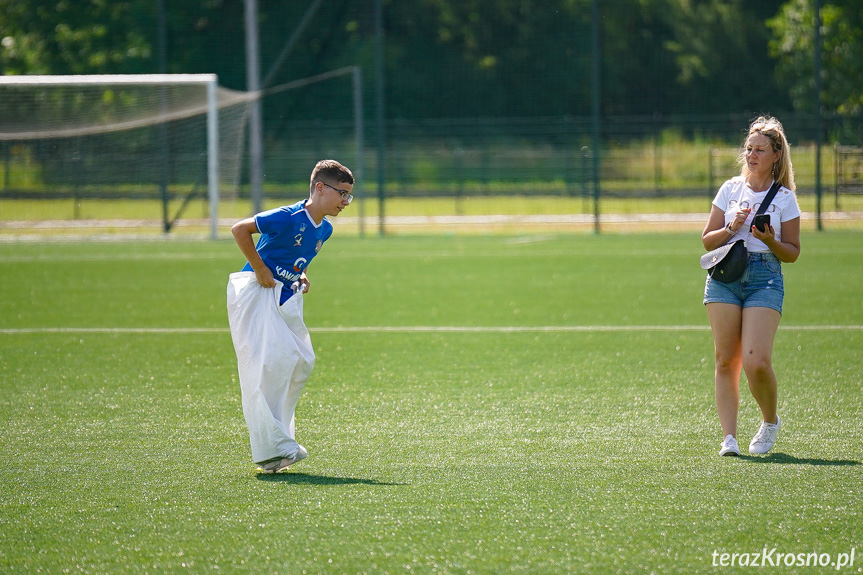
{"x":720,"y":53}
{"x":461,"y":58}
{"x":842,"y":54}
{"x":68,"y":37}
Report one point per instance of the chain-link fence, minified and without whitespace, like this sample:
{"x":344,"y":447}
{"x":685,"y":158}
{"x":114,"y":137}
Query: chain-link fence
{"x":511,"y":174}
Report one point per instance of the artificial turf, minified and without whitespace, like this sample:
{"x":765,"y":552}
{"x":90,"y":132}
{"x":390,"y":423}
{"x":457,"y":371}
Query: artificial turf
{"x":510,"y":404}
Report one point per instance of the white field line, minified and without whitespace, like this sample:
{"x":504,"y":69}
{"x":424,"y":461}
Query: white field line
{"x":418,"y":220}
{"x":415,"y":329}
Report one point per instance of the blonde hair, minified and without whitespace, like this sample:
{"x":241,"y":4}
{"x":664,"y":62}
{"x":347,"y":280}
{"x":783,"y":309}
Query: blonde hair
{"x":771,"y":128}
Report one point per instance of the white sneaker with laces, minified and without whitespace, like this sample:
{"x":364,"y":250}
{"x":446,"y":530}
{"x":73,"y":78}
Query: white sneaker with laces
{"x":729,"y":446}
{"x":765,"y":438}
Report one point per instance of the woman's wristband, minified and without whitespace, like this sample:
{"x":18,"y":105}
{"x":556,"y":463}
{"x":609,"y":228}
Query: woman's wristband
{"x":728,"y":229}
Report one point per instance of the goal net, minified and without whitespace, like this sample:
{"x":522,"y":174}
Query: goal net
{"x":134,"y":150}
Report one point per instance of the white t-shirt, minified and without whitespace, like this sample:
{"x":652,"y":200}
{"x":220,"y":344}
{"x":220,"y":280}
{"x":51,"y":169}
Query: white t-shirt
{"x":735,"y":194}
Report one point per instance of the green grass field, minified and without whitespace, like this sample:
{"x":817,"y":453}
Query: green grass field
{"x":509,"y":404}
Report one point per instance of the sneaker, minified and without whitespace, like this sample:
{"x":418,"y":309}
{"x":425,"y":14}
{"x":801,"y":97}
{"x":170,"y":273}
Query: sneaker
{"x":282,"y":463}
{"x":765,"y":438}
{"x":729,"y":446}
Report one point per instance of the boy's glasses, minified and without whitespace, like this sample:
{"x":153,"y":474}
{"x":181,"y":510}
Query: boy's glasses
{"x":346,"y":196}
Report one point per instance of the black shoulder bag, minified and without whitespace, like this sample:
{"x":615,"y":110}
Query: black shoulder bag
{"x":727,"y":263}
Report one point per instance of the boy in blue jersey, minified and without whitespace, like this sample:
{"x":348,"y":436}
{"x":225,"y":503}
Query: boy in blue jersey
{"x":265,"y":311}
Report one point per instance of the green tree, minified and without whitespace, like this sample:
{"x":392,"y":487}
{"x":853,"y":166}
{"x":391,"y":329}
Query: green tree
{"x":721,"y":55}
{"x":468,"y":58}
{"x":74,"y":37}
{"x":842,"y":54}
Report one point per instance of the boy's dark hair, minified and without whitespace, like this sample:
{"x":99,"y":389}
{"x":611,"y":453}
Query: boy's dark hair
{"x":331,"y":170}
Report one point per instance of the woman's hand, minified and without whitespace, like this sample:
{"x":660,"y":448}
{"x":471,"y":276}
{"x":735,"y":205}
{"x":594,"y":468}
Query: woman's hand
{"x":787,"y":250}
{"x":739,"y":219}
{"x":768,"y":235}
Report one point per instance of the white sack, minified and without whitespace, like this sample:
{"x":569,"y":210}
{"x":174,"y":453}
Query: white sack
{"x":274,"y":358}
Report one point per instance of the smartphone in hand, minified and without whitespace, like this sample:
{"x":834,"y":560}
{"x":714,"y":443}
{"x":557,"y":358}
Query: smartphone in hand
{"x":761,"y":222}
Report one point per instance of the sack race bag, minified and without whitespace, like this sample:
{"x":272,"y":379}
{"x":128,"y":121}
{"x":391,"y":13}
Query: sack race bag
{"x":274,"y":360}
{"x":726,"y":263}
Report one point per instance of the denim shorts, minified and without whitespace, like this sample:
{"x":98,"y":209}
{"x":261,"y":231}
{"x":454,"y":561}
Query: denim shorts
{"x":760,"y":285}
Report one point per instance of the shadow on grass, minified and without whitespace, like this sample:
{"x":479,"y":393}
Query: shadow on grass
{"x":307,"y":479}
{"x":784,"y":458}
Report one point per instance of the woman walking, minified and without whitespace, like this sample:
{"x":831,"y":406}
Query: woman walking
{"x":744,"y":314}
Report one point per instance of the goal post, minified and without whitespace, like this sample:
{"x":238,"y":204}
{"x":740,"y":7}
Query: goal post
{"x":213,"y":157}
{"x":122,"y":136}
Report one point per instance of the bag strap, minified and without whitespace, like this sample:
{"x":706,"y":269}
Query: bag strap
{"x":768,"y":198}
{"x":771,"y":193}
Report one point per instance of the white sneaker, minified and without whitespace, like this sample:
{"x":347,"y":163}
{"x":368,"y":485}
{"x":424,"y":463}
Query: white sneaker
{"x":282,"y":463}
{"x":765,"y":438}
{"x":729,"y":446}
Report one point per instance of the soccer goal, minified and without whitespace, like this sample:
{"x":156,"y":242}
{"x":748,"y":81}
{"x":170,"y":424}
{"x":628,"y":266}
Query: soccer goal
{"x":139,"y":144}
